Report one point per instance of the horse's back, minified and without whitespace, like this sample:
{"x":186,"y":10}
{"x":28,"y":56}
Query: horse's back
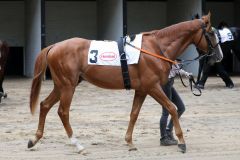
{"x":69,"y":49}
{"x":69,"y":59}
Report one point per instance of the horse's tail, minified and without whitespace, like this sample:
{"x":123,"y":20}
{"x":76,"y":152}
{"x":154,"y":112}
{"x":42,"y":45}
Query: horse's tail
{"x":39,"y":72}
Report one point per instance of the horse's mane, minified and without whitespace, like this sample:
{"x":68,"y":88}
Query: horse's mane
{"x":174,"y":30}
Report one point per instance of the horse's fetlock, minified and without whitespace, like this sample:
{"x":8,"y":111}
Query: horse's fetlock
{"x":39,"y":134}
{"x":128,"y":138}
{"x":179,"y":134}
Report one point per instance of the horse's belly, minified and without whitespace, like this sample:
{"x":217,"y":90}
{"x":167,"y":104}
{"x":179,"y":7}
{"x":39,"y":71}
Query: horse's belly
{"x":105,"y":77}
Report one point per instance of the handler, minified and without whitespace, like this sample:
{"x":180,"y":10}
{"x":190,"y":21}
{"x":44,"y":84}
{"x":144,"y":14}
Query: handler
{"x":167,"y":137}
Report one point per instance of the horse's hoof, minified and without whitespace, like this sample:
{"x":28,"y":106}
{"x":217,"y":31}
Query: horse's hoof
{"x":82,"y":151}
{"x":132,"y":149}
{"x":182,"y":148}
{"x":30,"y":144}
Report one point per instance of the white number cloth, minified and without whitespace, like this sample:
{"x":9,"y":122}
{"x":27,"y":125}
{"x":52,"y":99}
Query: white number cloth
{"x":106,"y":52}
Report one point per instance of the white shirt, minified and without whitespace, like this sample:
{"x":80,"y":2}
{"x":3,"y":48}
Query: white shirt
{"x":226,"y":35}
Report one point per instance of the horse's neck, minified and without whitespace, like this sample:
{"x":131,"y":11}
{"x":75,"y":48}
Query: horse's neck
{"x":174,"y":41}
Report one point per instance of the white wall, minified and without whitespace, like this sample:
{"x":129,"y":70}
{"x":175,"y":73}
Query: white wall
{"x":12,"y":22}
{"x":145,"y":16}
{"x":67,"y":19}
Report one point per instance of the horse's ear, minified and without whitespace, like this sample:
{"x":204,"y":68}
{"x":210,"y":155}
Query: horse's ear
{"x":196,"y":16}
{"x":209,"y":14}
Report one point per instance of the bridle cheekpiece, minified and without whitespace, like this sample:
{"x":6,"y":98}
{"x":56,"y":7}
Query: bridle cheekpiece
{"x":206,"y":34}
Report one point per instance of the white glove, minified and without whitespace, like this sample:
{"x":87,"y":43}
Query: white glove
{"x":188,"y":75}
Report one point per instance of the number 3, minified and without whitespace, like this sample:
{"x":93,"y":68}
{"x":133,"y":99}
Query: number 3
{"x":94,"y":58}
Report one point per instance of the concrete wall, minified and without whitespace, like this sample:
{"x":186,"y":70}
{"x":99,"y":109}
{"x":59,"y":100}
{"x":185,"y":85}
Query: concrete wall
{"x":100,"y":19}
{"x":237,"y":12}
{"x":67,"y":19}
{"x":110,"y":19}
{"x":221,"y":11}
{"x":33,"y":34}
{"x":145,"y":16}
{"x":178,"y":11}
{"x":228,"y":12}
{"x":12,"y":22}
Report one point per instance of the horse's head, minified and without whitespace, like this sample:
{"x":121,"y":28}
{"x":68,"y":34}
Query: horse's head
{"x":206,"y":40}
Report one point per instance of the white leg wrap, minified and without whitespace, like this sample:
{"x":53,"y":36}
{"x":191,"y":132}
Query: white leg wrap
{"x":74,"y":141}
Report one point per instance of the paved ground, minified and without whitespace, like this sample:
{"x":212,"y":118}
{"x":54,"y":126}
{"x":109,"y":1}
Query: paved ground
{"x":99,"y":117}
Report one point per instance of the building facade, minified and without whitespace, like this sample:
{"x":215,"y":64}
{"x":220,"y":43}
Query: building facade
{"x":30,"y":25}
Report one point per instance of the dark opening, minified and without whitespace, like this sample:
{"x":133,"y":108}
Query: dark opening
{"x":14,"y":66}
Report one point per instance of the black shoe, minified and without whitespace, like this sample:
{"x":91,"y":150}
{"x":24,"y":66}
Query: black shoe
{"x":200,"y":86}
{"x":165,"y":141}
{"x":230,"y":85}
{"x":171,"y":137}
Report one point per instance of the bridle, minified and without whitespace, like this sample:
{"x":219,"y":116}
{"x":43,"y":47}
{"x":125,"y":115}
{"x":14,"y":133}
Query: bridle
{"x":193,"y":85}
{"x":211,"y":47}
{"x":209,"y":51}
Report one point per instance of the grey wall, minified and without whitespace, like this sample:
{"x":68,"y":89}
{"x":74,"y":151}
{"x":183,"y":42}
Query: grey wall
{"x":236,"y":63}
{"x":237,"y":12}
{"x":110,"y":19}
{"x":12,"y":22}
{"x":145,"y":16}
{"x":228,"y":12}
{"x":33,"y":34}
{"x":178,"y":11}
{"x":70,"y":19}
{"x":221,"y":11}
{"x":100,"y":19}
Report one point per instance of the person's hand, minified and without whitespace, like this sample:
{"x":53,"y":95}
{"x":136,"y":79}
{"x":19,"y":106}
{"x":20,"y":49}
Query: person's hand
{"x":189,"y":75}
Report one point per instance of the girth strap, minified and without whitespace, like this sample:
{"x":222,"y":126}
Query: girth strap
{"x":124,"y":65}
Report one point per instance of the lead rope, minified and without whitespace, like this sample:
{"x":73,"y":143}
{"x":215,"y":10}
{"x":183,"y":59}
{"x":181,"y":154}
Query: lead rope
{"x":196,"y":91}
{"x":195,"y":86}
{"x":152,"y":54}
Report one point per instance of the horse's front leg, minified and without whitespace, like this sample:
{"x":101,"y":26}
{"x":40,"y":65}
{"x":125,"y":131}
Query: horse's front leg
{"x":157,"y":93}
{"x":139,"y":98}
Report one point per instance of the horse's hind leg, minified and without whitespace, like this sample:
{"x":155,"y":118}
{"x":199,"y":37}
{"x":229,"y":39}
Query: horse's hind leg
{"x":157,"y":93}
{"x":139,"y":98}
{"x":63,"y":112}
{"x":45,"y":106}
{"x":2,"y":94}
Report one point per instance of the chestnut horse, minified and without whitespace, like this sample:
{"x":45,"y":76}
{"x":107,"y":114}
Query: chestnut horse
{"x":4,"y":50}
{"x":68,"y":65}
